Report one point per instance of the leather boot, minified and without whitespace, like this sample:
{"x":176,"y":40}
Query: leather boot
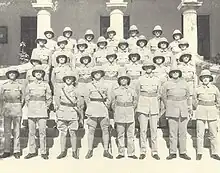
{"x":75,"y":155}
{"x":171,"y":156}
{"x":107,"y":154}
{"x":142,"y":156}
{"x":89,"y":154}
{"x":62,"y":155}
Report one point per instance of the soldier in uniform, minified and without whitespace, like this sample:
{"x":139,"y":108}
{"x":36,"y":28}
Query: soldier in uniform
{"x":82,"y":47}
{"x":153,"y":43}
{"x":124,"y":103}
{"x":100,"y":54}
{"x":12,"y":100}
{"x":133,"y":33}
{"x":148,"y":88}
{"x":98,"y":102}
{"x":38,"y":99}
{"x":29,"y":77}
{"x":89,"y":37}
{"x":71,"y":42}
{"x":175,"y":95}
{"x":51,"y":44}
{"x":62,"y":50}
{"x":69,"y":112}
{"x":174,"y":45}
{"x":123,"y":52}
{"x":112,"y":41}
{"x":142,"y":48}
{"x":207,"y":101}
{"x":183,"y":45}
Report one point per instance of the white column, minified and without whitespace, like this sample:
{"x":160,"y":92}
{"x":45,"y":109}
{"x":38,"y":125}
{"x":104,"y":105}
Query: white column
{"x":43,"y":8}
{"x":117,"y":8}
{"x":190,"y":32}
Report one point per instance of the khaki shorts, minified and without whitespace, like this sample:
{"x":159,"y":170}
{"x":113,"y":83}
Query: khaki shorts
{"x":94,"y":121}
{"x":64,"y":125}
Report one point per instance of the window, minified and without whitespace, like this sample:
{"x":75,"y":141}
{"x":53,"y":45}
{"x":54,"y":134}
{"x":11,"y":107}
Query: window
{"x":29,"y":32}
{"x":105,"y":23}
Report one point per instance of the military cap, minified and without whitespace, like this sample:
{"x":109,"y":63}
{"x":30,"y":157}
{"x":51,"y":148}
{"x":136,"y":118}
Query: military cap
{"x":141,"y":38}
{"x":158,"y":56}
{"x":185,"y":54}
{"x":49,"y":30}
{"x":157,"y":28}
{"x":134,"y":52}
{"x":12,"y":70}
{"x":38,"y":68}
{"x":61,"y":56}
{"x":163,"y":40}
{"x":85,"y":56}
{"x":89,"y":32}
{"x":71,"y":75}
{"x":97,"y":69}
{"x":110,"y":29}
{"x":81,"y":41}
{"x":183,"y":42}
{"x":206,"y":73}
{"x":177,"y":32}
{"x":133,"y":28}
{"x":61,"y":39}
{"x":123,"y":75}
{"x":123,"y":41}
{"x":41,"y":38}
{"x":111,"y":52}
{"x":173,"y":70}
{"x":147,"y":65}
{"x":35,"y":60}
{"x":67,"y":29}
{"x":102,"y":40}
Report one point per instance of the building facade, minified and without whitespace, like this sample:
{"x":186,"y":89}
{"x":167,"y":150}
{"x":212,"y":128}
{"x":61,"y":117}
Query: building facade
{"x":23,"y":20}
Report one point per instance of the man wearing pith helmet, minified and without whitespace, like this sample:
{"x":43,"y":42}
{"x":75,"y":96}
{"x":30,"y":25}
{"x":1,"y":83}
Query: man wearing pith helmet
{"x":51,"y":44}
{"x":142,"y":48}
{"x":29,"y":77}
{"x":89,"y":37}
{"x":148,"y":88}
{"x":112,"y":41}
{"x":38,"y":99}
{"x":69,"y":114}
{"x":124,"y":103}
{"x":133,"y":35}
{"x":153,"y":43}
{"x":98,"y":101}
{"x":12,"y":100}
{"x":207,"y":101}
{"x":175,"y":95}
{"x":100,"y":54}
{"x":174,"y":45}
{"x":82,"y":47}
{"x":183,"y":45}
{"x":71,"y":42}
{"x":123,"y":52}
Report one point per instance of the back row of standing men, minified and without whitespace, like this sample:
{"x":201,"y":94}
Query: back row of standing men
{"x":133,"y":77}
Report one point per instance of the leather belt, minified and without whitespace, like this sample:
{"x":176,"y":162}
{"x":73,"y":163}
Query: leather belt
{"x":12,"y":100}
{"x":189,"y":80}
{"x":206,"y":103}
{"x":124,"y":104}
{"x":68,"y":104}
{"x":148,"y":94}
{"x":175,"y":98}
{"x":82,"y":80}
{"x":110,"y":78}
{"x":97,"y":99}
{"x":37,"y":98}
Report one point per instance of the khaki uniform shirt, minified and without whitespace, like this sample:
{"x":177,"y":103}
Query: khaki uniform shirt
{"x":42,"y":54}
{"x":100,"y":57}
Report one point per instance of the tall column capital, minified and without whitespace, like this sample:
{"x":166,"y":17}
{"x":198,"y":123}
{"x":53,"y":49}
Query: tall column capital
{"x":192,"y":5}
{"x":116,"y":4}
{"x":43,"y":5}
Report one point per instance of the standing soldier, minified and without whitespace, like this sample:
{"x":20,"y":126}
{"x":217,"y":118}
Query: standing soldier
{"x":82,"y":47}
{"x":153,"y":43}
{"x":38,"y":99}
{"x":183,"y":45}
{"x":174,"y":45}
{"x":71,"y":42}
{"x":51,"y":44}
{"x":69,"y":114}
{"x":133,"y":36}
{"x":89,"y":37}
{"x":12,"y":100}
{"x":29,"y":77}
{"x":100,"y":54}
{"x":124,"y":103}
{"x":61,"y":50}
{"x":123,"y":53}
{"x":112,"y":41}
{"x":98,"y":101}
{"x":207,"y":99}
{"x":148,"y":87}
{"x":175,"y":95}
{"x":142,"y":48}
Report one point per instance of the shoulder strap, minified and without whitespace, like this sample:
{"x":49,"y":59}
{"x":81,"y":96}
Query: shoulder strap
{"x":100,"y":95}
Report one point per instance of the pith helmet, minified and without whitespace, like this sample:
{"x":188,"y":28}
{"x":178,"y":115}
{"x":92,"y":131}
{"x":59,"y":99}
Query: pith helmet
{"x":89,"y":32}
{"x":134,"y":52}
{"x":35,"y":60}
{"x":102,"y":40}
{"x":123,"y":75}
{"x":71,"y":75}
{"x":158,"y":56}
{"x":38,"y":68}
{"x":177,"y":32}
{"x":173,"y":70}
{"x":12,"y":70}
{"x":206,"y":73}
{"x":133,"y":28}
{"x":183,"y":42}
{"x":67,"y":29}
{"x":123,"y":41}
{"x":85,"y":56}
{"x":111,"y":52}
{"x":61,"y":39}
{"x":81,"y":41}
{"x":41,"y":38}
{"x":147,"y":65}
{"x":141,"y":38}
{"x":49,"y":30}
{"x":157,"y":28}
{"x":97,"y":69}
{"x":61,"y":56}
{"x":185,"y":54}
{"x":110,"y":29}
{"x":163,"y":40}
